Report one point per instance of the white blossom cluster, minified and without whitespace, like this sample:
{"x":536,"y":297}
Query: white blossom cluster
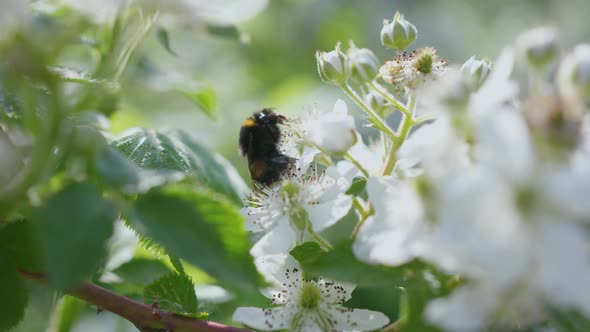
{"x":486,"y":178}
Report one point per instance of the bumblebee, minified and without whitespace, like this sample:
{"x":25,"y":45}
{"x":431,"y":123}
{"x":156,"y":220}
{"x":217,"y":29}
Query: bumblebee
{"x":259,"y":141}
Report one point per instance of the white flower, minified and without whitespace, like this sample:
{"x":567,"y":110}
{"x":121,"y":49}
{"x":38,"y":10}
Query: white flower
{"x":391,"y":236}
{"x":503,"y":143}
{"x":479,"y":230}
{"x":288,"y":212}
{"x":305,"y":305}
{"x":436,"y":149}
{"x":412,"y":70}
{"x":332,"y":131}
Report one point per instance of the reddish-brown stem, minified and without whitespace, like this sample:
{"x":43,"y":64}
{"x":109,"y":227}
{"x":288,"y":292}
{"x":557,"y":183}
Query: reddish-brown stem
{"x":143,"y":316}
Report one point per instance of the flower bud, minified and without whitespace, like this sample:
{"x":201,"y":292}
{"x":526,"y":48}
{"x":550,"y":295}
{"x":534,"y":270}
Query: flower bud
{"x":332,"y":66}
{"x":376,"y":101}
{"x":362,"y":64}
{"x":538,"y":46}
{"x":581,"y":72}
{"x":574,"y":75}
{"x":398,"y":34}
{"x":476,"y":70}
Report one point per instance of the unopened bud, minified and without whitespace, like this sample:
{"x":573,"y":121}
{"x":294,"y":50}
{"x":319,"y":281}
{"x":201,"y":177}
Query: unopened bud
{"x":399,"y":33}
{"x":574,"y":74}
{"x":376,"y":101}
{"x":476,"y":70}
{"x":332,"y":66}
{"x":362,"y":64}
{"x":538,"y":46}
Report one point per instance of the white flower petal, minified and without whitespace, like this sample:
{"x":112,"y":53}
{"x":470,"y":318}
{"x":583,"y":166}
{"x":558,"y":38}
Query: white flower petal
{"x":497,"y":89}
{"x":279,"y":269}
{"x":465,"y":310}
{"x":504,"y":144}
{"x":326,"y":214}
{"x":332,"y":131}
{"x":280,"y":239}
{"x":357,"y":319}
{"x":392,"y":235}
{"x":335,"y":292}
{"x":479,"y":230}
{"x":264,"y":319}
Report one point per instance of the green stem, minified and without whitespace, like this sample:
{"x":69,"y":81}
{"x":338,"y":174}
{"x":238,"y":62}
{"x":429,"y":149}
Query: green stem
{"x":405,"y":125}
{"x":364,"y":217}
{"x":374,"y":116}
{"x":390,"y":98}
{"x":357,"y":164}
{"x":125,"y":55}
{"x":323,"y":242}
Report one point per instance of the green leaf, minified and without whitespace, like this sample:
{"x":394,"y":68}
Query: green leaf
{"x":179,"y":152}
{"x":201,"y":228}
{"x":136,"y":273}
{"x":173,"y":292}
{"x":231,"y":32}
{"x":73,"y":227}
{"x":141,"y":270}
{"x":116,"y":170}
{"x":307,"y":251}
{"x":340,"y":264}
{"x":357,"y":187}
{"x":568,"y":320}
{"x":17,"y":240}
{"x":14,"y":294}
{"x":164,"y":39}
{"x":205,"y":98}
{"x":177,"y":264}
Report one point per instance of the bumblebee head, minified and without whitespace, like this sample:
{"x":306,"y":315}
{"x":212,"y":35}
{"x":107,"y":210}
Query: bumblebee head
{"x":260,"y":131}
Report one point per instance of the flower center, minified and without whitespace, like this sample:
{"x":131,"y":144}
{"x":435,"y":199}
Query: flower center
{"x":424,"y":62}
{"x":310,"y":295}
{"x":290,"y":192}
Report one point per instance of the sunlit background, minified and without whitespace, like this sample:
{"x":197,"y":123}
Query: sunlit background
{"x":272,"y":64}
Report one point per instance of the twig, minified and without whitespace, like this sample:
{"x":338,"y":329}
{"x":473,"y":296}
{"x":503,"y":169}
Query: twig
{"x":145,"y":317}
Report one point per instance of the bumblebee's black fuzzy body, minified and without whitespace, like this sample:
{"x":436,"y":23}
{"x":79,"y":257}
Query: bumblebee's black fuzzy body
{"x":259,"y":140}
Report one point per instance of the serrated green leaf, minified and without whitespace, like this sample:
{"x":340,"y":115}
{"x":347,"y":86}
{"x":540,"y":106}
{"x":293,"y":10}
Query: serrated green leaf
{"x":78,"y":76}
{"x":164,"y":39}
{"x":340,"y":264}
{"x":137,"y":273}
{"x":177,"y":264}
{"x":73,"y":226}
{"x":115,"y":169}
{"x":205,"y":98}
{"x":173,"y":292}
{"x":307,"y":251}
{"x":201,"y":228}
{"x":14,"y":294}
{"x":180,"y":152}
{"x":17,"y":240}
